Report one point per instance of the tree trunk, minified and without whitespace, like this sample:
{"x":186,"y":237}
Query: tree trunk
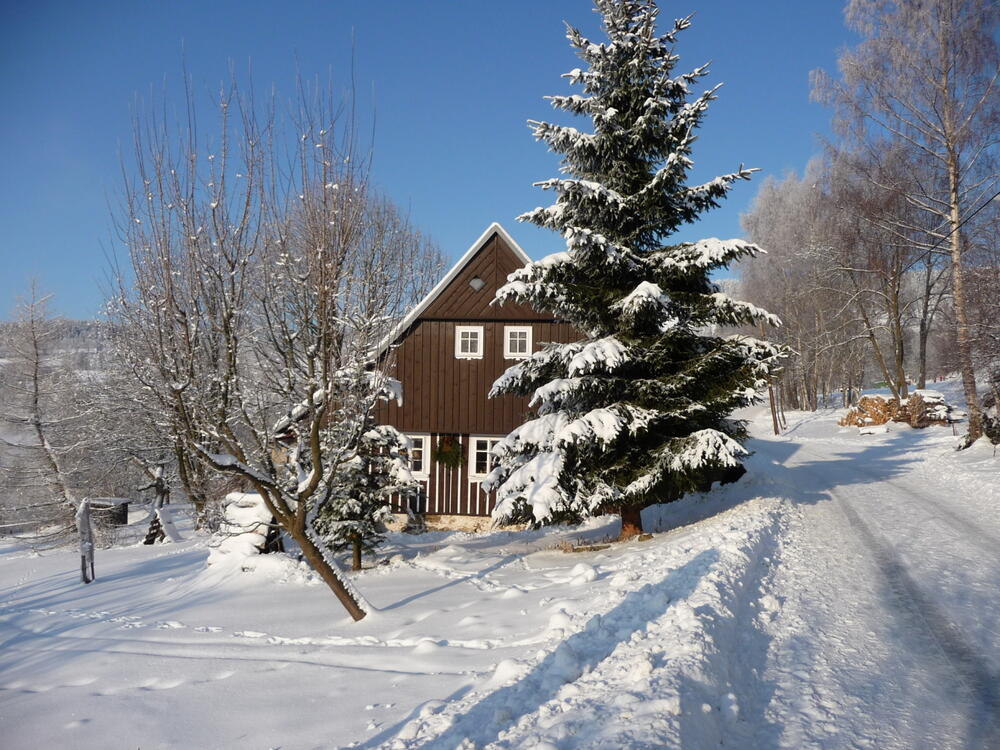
{"x":873,"y":340}
{"x":631,"y":522}
{"x":898,"y":344}
{"x":774,"y":409}
{"x":961,"y":316}
{"x":356,"y":552}
{"x":86,"y":532}
{"x":922,"y":353}
{"x":318,"y":562}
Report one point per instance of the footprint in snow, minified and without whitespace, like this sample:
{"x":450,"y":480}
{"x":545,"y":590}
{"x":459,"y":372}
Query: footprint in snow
{"x":582,"y":574}
{"x":208,"y":629}
{"x":36,"y":688}
{"x":159,"y":683}
{"x":249,"y":634}
{"x":170,"y":625}
{"x":80,"y":682}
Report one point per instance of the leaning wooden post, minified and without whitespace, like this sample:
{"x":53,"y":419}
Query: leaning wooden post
{"x":159,"y":485}
{"x":86,"y":541}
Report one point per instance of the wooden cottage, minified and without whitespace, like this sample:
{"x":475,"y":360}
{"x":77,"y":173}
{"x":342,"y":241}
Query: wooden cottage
{"x":447,"y":353}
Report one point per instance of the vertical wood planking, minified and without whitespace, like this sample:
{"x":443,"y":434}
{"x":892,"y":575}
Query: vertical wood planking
{"x":443,"y":395}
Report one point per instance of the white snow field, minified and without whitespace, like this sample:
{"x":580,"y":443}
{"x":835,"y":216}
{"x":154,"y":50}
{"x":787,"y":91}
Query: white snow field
{"x":845,"y":594}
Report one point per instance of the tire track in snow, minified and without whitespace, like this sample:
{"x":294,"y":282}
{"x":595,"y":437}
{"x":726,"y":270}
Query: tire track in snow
{"x":982,"y":682}
{"x":908,"y":599}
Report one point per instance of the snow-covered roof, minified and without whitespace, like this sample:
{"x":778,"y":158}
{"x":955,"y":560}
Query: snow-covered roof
{"x":434,"y":293}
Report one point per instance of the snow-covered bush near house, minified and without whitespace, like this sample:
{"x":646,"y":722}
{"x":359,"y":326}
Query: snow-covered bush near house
{"x":244,"y":529}
{"x":359,"y":502}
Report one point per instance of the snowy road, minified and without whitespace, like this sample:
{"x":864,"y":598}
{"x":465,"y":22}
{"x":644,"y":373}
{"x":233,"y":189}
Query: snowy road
{"x":888,"y":632}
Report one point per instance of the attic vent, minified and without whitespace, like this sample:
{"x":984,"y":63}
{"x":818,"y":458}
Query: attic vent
{"x":477,"y":283}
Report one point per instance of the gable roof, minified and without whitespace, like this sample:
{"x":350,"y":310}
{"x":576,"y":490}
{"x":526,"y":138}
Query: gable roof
{"x":443,"y":284}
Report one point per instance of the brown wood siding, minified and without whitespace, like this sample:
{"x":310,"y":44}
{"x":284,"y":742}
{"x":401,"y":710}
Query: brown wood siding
{"x":448,"y":491}
{"x":443,"y":395}
{"x":448,"y":395}
{"x":459,"y":301}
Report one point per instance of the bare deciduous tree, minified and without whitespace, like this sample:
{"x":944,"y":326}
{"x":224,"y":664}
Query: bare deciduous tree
{"x":263,"y":281}
{"x":925,"y":78}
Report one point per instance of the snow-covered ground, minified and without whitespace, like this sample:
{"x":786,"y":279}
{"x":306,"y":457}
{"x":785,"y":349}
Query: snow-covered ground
{"x":845,"y":594}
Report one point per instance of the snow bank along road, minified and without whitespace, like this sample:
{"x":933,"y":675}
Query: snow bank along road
{"x":844,"y":595}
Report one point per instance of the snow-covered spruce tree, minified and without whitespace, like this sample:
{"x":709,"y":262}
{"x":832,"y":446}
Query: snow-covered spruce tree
{"x":377,"y":469}
{"x":637,"y":412}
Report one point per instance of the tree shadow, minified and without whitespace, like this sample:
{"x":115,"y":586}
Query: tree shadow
{"x":478,"y":575}
{"x":72,"y":603}
{"x":810,"y":480}
{"x":578,"y":654}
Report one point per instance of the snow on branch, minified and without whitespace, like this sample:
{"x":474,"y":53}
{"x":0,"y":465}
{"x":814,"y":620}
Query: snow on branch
{"x":734,"y":311}
{"x":699,"y":197}
{"x":563,"y":138}
{"x":583,"y":189}
{"x":602,"y":355}
{"x":706,"y":254}
{"x":536,"y":483}
{"x":707,"y":448}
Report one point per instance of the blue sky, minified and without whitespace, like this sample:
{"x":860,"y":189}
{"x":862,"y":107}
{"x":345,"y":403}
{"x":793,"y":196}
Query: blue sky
{"x":450,"y":84}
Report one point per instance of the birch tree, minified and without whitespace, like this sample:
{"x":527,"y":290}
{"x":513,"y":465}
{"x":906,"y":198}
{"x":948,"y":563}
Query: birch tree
{"x":39,"y":431}
{"x":925,"y":77}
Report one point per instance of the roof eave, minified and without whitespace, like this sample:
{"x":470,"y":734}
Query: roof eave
{"x":433,"y":294}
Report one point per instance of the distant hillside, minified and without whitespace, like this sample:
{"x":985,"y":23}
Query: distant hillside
{"x":81,"y":344}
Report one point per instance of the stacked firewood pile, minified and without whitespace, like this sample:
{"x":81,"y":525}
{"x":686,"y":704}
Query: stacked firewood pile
{"x":871,"y":410}
{"x":922,"y":409}
{"x":991,"y":410}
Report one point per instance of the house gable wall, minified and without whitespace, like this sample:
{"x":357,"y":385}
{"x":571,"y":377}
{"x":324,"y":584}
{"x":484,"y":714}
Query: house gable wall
{"x":445,"y":394}
{"x":459,"y":301}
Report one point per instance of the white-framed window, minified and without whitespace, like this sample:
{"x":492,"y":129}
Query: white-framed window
{"x":481,"y":460}
{"x":516,"y":342}
{"x":420,"y":454}
{"x":468,"y":342}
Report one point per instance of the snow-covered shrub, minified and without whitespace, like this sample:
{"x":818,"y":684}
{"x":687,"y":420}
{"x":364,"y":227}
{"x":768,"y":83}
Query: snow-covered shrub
{"x":244,"y":529}
{"x":359,"y":503}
